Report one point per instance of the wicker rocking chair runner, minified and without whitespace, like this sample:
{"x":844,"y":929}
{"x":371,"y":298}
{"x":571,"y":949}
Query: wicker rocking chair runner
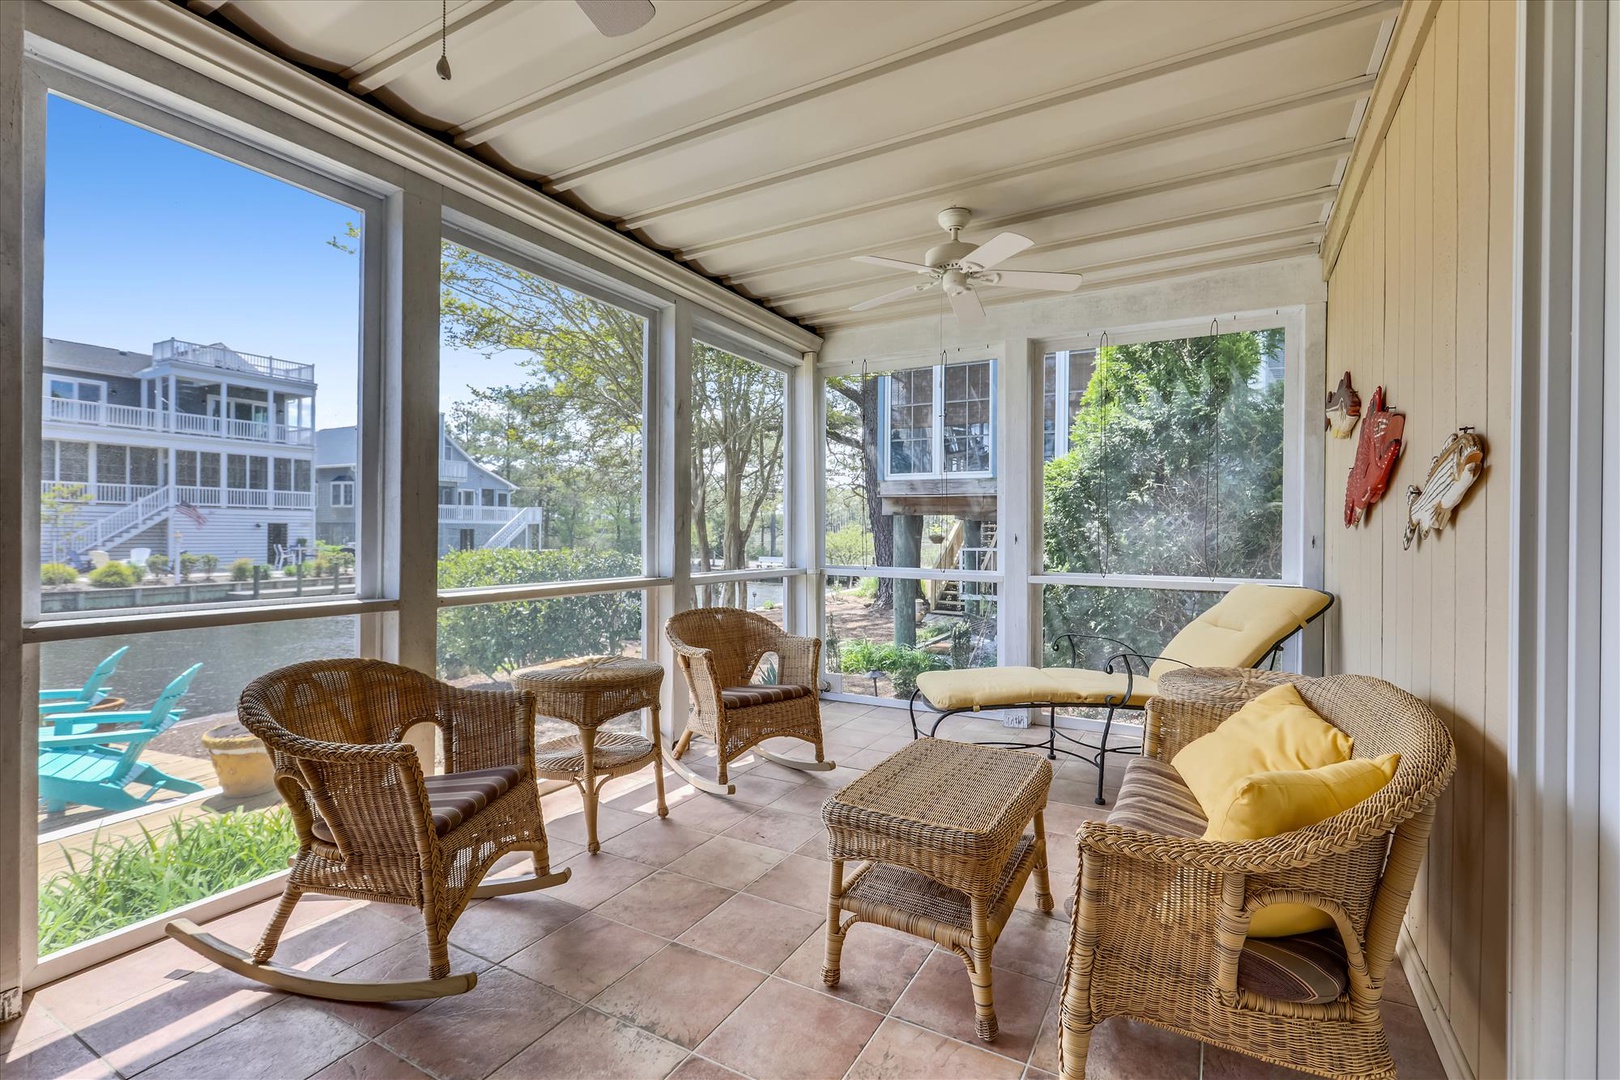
{"x":941,"y":826}
{"x":371,"y":827}
{"x":1162,"y":916}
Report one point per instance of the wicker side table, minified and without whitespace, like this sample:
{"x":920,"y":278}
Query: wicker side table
{"x":588,"y":692}
{"x":941,"y":827}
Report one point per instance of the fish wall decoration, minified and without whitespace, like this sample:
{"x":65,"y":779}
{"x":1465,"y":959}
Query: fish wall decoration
{"x":1343,"y":409}
{"x":1451,"y":473}
{"x":1376,"y":454}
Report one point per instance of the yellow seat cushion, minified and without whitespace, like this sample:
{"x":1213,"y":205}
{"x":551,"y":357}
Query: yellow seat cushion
{"x":1273,"y":803}
{"x":1240,"y":629}
{"x":1274,"y":732}
{"x":989,"y":688}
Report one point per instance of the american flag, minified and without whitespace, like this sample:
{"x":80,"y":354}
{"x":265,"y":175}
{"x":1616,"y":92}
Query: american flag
{"x":193,"y":513}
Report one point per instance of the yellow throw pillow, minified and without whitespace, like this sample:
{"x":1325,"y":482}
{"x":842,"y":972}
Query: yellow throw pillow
{"x":1274,"y":732}
{"x":1272,"y":803}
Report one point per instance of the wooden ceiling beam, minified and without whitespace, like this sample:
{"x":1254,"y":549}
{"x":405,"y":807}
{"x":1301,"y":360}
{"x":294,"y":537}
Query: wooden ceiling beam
{"x":857,"y":319}
{"x":1311,"y":233}
{"x":380,"y":68}
{"x":1324,"y":152}
{"x":1316,"y":196}
{"x":1223,"y":50}
{"x":482,"y":128}
{"x":1349,"y":90}
{"x":999,"y":25}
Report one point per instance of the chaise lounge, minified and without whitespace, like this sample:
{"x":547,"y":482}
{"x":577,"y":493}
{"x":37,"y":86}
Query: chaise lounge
{"x":1249,"y":625}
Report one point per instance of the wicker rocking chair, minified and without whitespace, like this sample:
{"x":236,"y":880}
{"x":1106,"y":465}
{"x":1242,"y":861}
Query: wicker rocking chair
{"x":1162,"y":916}
{"x":718,"y":649}
{"x":371,"y":827}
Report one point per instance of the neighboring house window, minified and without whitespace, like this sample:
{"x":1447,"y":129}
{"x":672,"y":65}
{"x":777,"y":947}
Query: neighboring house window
{"x":77,"y":389}
{"x":503,"y":498}
{"x":447,"y":496}
{"x":146,"y":465}
{"x":1065,"y":378}
{"x":466,"y":540}
{"x":489,"y":496}
{"x":302,"y":480}
{"x":343,"y":493}
{"x":73,"y":462}
{"x":938,"y":420}
{"x":283,"y":474}
{"x":467,"y":498}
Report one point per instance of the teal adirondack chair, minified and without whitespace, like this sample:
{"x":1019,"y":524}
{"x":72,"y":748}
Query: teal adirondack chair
{"x":78,"y":764}
{"x":78,"y":699}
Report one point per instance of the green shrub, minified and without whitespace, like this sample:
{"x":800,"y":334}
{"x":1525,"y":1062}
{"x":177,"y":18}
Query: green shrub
{"x":902,"y":663}
{"x":242,"y":570}
{"x":866,"y":588}
{"x":157,"y":565}
{"x":115,"y":575}
{"x":492,"y":638}
{"x":208,"y":564}
{"x":55,"y":573}
{"x":121,"y":881}
{"x":189,"y":564}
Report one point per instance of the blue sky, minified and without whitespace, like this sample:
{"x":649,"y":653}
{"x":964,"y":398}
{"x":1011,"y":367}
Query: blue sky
{"x":147,"y":238}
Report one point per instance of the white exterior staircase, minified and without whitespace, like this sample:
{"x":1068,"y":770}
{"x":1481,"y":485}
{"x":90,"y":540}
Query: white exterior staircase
{"x":516,"y":531}
{"x":107,"y":531}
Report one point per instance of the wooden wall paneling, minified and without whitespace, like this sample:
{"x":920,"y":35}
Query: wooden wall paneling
{"x":1470,"y":849}
{"x":1420,"y":302}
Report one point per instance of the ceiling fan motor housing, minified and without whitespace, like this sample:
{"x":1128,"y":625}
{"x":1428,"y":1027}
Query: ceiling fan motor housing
{"x":947,"y":253}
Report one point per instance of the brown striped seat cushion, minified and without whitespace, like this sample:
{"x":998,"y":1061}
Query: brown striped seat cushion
{"x":741,"y":697}
{"x":453,"y":797}
{"x":1307,"y":968}
{"x":1153,"y":798}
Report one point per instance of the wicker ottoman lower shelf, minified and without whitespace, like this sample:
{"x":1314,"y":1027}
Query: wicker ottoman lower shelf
{"x":940,"y":826}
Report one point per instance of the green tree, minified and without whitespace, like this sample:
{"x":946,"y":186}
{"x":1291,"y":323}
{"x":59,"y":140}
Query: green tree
{"x":1174,"y":468}
{"x":61,"y":510}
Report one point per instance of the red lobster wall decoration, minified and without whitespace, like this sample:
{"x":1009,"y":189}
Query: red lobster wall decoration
{"x":1376,"y":454}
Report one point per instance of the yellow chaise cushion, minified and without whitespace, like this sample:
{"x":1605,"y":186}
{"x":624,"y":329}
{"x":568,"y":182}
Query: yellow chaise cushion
{"x":1242,"y":627}
{"x":988,"y":688}
{"x":1273,"y":803}
{"x":1274,"y":732}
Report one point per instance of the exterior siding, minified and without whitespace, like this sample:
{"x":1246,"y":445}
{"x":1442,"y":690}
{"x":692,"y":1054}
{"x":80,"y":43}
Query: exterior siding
{"x":1420,"y":302}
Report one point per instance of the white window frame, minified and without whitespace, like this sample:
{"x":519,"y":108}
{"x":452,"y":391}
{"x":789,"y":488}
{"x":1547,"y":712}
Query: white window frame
{"x":78,"y":385}
{"x":937,"y":437}
{"x":342,"y":493}
{"x":1062,"y":422}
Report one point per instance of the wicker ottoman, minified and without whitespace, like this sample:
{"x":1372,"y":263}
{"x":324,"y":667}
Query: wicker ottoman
{"x":940,"y":825}
{"x":587,"y":692}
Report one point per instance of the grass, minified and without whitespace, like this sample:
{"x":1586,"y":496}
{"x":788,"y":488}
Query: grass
{"x":118,"y":882}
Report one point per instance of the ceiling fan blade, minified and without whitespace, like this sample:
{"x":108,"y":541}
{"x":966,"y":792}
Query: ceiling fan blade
{"x":889,"y":297}
{"x":967,"y":307}
{"x":1032,"y":279}
{"x":879,"y":260}
{"x":616,"y":18}
{"x":996,"y":250}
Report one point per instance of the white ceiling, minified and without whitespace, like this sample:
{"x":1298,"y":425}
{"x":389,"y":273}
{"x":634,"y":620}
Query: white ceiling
{"x":764,"y":142}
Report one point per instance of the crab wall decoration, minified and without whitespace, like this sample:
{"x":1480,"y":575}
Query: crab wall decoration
{"x":1343,"y":409}
{"x":1376,"y":454}
{"x":1451,"y":473}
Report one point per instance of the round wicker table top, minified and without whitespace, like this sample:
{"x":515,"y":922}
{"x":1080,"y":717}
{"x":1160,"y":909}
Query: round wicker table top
{"x":591,"y":690}
{"x":1216,"y":685}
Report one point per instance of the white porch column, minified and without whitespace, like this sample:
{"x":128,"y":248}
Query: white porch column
{"x":1018,"y":502}
{"x":669,"y":522}
{"x":1564,"y":590}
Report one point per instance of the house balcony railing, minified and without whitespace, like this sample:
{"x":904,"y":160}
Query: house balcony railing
{"x":201,"y":497}
{"x":100,"y":414}
{"x":478,"y":515}
{"x":228,"y":359}
{"x":74,"y":491}
{"x":452,"y":470}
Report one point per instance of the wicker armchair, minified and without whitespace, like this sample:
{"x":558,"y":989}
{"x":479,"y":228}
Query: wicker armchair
{"x":371,"y":826}
{"x":1160,"y":920}
{"x":718,"y":649}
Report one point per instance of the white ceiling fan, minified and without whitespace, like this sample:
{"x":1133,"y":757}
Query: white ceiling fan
{"x":960,"y":268}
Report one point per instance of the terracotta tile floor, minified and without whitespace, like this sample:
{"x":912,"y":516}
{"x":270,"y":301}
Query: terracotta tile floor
{"x":688,"y":948}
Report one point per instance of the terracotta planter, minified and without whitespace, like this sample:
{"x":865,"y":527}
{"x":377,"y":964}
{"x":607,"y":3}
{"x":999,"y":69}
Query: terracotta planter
{"x":240,"y":761}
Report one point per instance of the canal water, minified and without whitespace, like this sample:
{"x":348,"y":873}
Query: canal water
{"x":231,"y":657}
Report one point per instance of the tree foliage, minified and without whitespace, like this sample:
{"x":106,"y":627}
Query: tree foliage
{"x":1174,"y":469}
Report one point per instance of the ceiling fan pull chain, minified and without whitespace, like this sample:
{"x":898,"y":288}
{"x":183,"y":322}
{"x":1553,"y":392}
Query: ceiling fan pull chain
{"x":443,"y":66}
